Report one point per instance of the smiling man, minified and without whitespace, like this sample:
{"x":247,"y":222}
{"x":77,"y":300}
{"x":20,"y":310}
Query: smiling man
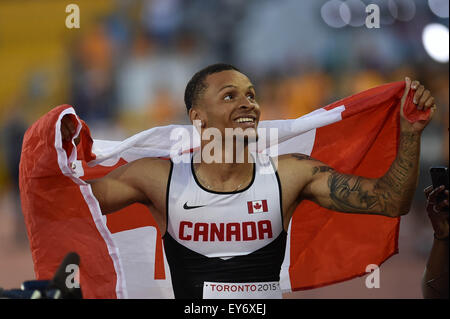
{"x":224,"y":223}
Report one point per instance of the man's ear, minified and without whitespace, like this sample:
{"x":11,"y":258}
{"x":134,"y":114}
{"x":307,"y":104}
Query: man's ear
{"x":196,"y":116}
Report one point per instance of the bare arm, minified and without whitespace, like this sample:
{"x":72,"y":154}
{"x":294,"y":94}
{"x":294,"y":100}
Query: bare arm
{"x":118,"y":189}
{"x":390,"y":195}
{"x":121,"y":187}
{"x":435,"y":278}
{"x":142,"y":181}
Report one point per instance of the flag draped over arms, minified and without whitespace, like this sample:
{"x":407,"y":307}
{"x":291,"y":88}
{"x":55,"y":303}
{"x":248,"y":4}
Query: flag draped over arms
{"x":122,"y":253}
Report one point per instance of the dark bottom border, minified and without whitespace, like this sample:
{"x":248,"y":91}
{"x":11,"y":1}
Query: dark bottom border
{"x":278,"y":309}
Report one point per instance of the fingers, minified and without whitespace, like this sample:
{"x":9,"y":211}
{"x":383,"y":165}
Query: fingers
{"x":422,"y":97}
{"x":418,"y":94}
{"x":429,"y":102}
{"x":426,"y":95}
{"x":433,"y":110}
{"x":428,"y":190}
{"x":432,"y":196}
{"x":405,"y":93}
{"x":407,"y":86}
{"x":439,"y":207}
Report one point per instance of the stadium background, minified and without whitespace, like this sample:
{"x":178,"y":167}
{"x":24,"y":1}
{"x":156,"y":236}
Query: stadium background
{"x":126,"y":67}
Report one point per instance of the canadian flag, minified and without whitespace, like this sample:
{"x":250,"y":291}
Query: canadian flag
{"x":322,"y":247}
{"x":257,"y":206}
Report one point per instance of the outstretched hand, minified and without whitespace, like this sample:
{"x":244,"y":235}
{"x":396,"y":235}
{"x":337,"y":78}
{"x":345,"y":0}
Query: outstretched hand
{"x":423,"y":101}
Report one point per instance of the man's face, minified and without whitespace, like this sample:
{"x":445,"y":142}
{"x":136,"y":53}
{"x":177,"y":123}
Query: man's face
{"x":229,"y":101}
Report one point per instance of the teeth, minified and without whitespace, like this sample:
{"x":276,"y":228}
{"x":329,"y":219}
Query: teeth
{"x":244,"y":120}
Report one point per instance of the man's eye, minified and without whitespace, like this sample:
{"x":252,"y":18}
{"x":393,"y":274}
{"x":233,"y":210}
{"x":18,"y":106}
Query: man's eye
{"x":228,"y":97}
{"x":251,"y":97}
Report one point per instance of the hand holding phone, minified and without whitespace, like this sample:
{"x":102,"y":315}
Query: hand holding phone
{"x":439,"y":177}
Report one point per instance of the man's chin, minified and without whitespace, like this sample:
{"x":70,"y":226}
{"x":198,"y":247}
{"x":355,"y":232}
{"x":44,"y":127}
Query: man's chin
{"x":250,"y":136}
{"x":250,"y":139}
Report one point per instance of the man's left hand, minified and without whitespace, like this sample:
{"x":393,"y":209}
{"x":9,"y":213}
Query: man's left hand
{"x":423,"y":100}
{"x":437,"y":209}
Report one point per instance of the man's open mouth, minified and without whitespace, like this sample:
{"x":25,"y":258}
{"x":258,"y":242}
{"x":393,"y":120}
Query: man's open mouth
{"x":245,"y":119}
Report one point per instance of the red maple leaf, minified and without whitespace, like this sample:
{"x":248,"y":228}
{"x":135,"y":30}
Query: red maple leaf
{"x":257,"y":206}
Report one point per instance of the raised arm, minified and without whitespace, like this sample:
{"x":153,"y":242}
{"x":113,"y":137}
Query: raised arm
{"x":390,"y":195}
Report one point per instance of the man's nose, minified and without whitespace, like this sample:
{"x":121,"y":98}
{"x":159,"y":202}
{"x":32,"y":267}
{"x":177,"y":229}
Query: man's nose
{"x":246,"y":104}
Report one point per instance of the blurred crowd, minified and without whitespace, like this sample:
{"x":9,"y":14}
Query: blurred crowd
{"x":126,"y":68}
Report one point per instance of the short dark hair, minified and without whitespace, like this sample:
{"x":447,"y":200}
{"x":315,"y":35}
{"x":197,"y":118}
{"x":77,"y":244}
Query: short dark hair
{"x":197,"y":85}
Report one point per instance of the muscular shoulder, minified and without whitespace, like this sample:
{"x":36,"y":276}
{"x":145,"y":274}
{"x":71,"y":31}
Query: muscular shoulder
{"x":143,"y":172}
{"x":296,"y":170}
{"x":299,"y":164}
{"x":154,"y":168}
{"x":151,"y":176}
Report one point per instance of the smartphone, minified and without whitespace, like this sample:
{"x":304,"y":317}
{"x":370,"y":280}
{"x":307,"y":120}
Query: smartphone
{"x":439,"y":176}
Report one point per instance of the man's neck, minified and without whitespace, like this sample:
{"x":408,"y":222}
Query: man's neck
{"x":229,"y":168}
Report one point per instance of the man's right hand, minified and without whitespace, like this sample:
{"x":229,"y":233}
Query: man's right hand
{"x":68,"y":128}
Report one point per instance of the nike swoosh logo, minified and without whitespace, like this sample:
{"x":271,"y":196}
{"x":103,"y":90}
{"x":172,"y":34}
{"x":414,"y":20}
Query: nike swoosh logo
{"x":185,"y":206}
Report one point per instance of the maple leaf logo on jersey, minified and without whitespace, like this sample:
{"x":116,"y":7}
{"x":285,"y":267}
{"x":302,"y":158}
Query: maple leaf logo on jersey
{"x":257,"y":206}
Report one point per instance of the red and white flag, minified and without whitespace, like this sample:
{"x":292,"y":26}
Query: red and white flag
{"x":257,"y":206}
{"x":122,"y":254}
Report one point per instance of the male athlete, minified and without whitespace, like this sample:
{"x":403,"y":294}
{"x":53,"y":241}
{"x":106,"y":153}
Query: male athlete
{"x":202,"y":209}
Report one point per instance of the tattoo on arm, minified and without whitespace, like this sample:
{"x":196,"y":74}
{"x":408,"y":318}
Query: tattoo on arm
{"x":346,"y":192}
{"x":396,"y":188}
{"x":301,"y":157}
{"x":348,"y":195}
{"x":389,"y":195}
{"x":321,"y":169}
